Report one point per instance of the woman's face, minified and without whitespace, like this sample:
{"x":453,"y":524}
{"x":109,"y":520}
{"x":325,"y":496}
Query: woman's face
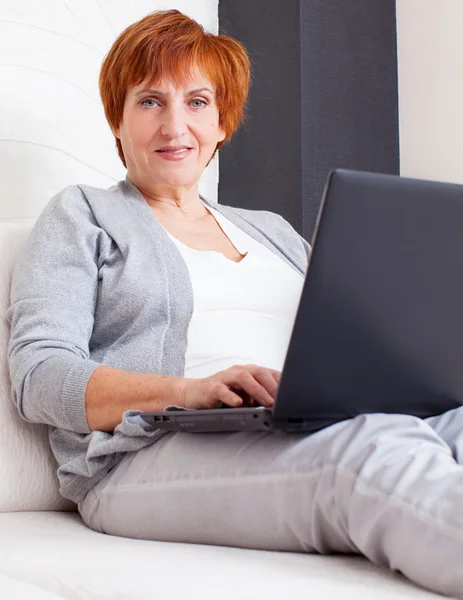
{"x":169,"y":133}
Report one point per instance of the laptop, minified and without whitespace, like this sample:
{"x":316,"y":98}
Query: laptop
{"x":379,"y":327}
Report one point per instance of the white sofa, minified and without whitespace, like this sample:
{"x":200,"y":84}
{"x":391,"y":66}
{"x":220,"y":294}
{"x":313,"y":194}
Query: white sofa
{"x":47,"y":553}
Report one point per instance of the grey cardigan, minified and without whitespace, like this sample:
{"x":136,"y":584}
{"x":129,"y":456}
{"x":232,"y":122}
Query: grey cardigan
{"x":101,"y":283}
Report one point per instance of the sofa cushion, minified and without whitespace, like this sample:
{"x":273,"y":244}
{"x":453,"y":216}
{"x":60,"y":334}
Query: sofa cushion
{"x":57,"y":552}
{"x":27,"y":466}
{"x":14,"y":589}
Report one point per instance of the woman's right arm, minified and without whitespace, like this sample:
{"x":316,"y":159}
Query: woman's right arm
{"x":53,"y":299}
{"x":110,"y":392}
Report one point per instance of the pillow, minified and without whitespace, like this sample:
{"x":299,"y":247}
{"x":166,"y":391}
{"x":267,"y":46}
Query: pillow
{"x":27,"y":466}
{"x":15,"y":589}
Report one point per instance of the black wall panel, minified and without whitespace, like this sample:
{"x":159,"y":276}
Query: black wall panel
{"x":324,"y":95}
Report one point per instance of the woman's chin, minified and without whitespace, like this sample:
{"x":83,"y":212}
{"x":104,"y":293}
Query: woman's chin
{"x":176,"y":177}
{"x":174,"y":182}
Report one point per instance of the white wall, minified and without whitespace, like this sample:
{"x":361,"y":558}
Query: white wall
{"x":52,"y":127}
{"x":430,"y":62}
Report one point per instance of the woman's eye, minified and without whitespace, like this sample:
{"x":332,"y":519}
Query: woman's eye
{"x":198,"y":103}
{"x":149,"y":102}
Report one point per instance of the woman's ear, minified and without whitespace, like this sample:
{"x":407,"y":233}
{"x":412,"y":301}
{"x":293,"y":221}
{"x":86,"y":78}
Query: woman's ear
{"x":115,"y":130}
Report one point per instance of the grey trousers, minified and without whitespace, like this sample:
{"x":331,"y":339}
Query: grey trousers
{"x":389,"y":487}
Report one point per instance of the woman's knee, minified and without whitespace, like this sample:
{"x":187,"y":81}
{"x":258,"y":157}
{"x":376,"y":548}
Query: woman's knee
{"x":356,"y":441}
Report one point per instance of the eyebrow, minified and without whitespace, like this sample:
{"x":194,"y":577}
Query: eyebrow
{"x":159,"y":93}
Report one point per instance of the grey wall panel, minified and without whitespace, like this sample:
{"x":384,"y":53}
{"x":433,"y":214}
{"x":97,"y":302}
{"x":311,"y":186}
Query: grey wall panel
{"x":324,"y":95}
{"x":349,"y":99}
{"x":261,"y":168}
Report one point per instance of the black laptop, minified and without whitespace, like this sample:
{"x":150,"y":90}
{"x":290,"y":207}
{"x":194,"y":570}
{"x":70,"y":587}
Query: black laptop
{"x":379,"y":328}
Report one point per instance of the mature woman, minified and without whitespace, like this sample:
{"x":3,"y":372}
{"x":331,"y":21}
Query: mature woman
{"x":145,"y":295}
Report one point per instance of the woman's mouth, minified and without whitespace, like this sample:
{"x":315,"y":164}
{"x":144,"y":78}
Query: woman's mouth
{"x":174,"y":152}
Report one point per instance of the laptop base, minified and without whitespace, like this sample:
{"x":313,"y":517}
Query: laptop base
{"x":230,"y":420}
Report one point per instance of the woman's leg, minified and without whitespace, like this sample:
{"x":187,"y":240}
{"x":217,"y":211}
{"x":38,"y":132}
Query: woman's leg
{"x":449,"y":427}
{"x":385,"y":486}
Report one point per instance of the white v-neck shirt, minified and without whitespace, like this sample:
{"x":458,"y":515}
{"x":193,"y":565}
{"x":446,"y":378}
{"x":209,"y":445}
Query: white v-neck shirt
{"x":243,"y":312}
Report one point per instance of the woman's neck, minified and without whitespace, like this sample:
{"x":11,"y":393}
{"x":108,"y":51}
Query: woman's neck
{"x":180,"y":203}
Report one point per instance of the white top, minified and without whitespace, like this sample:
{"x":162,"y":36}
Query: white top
{"x":243,"y":312}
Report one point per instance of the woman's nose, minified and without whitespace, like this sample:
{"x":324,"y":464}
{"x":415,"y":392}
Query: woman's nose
{"x":174,"y":122}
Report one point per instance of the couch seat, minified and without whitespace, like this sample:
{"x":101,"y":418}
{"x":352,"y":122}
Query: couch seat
{"x":53,"y":555}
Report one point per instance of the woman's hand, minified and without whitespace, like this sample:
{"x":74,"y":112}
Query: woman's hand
{"x":241,"y":385}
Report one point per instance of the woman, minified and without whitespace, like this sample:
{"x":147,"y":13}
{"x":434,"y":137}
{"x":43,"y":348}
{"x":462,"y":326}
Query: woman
{"x":145,"y":295}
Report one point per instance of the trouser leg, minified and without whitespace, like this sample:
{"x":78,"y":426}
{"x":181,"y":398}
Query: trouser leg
{"x":449,"y":427}
{"x":386,"y":486}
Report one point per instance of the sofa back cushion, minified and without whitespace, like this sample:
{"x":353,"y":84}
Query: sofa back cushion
{"x":27,"y":466}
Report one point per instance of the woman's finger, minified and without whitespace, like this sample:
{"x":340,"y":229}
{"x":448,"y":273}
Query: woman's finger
{"x":267,"y":380}
{"x":228,"y":396}
{"x":275,"y":374}
{"x":247,"y":382}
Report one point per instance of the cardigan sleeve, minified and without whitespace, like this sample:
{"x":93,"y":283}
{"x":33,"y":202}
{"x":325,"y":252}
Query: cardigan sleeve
{"x":53,"y":298}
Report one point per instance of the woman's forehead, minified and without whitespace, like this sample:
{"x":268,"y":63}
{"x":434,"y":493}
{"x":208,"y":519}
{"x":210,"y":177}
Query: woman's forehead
{"x":192,"y":79}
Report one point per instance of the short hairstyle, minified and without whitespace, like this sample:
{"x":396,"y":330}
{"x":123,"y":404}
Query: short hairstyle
{"x":169,"y":44}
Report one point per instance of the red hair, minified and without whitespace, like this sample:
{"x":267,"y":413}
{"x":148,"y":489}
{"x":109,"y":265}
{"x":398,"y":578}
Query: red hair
{"x":169,"y":44}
